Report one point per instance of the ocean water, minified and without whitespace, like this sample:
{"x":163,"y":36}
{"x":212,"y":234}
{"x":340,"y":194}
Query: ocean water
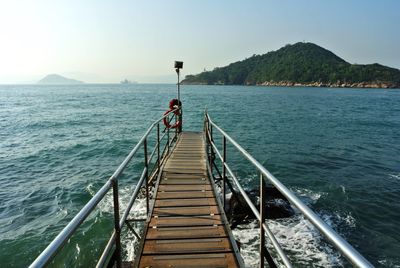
{"x":337,"y":149}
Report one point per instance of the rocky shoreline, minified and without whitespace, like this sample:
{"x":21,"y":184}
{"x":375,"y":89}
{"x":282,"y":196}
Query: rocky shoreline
{"x":313,"y":84}
{"x":338,"y":84}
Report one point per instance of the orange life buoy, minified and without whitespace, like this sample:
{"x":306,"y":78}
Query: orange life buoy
{"x":167,"y":124}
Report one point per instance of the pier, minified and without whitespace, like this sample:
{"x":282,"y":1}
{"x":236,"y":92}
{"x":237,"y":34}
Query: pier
{"x":187,"y":227}
{"x":185,"y":223}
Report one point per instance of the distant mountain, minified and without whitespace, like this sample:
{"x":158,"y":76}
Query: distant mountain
{"x":301,"y":64}
{"x":55,"y":79}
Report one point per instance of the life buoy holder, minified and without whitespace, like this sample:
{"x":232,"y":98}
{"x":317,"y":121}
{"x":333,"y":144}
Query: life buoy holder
{"x":167,"y":124}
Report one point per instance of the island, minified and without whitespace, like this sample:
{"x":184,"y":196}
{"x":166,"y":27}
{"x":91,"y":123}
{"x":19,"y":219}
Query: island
{"x":56,"y":79}
{"x":301,"y":64}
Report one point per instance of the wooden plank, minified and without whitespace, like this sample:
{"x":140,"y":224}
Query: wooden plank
{"x":189,"y":261}
{"x":175,"y":175}
{"x":190,"y":148}
{"x":182,"y":246}
{"x":185,"y":221}
{"x":184,"y":232}
{"x":189,"y":202}
{"x":185,"y":211}
{"x":182,"y":194}
{"x":184,"y":187}
{"x":184,"y":167}
{"x":187,"y":154}
{"x":186,"y":171}
{"x":173,"y":162}
{"x":185,"y":181}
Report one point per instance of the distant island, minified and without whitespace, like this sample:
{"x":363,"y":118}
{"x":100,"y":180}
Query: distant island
{"x":55,"y":79}
{"x":300,"y":64}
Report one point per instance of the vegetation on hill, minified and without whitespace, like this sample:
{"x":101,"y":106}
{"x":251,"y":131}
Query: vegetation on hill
{"x":299,"y":64}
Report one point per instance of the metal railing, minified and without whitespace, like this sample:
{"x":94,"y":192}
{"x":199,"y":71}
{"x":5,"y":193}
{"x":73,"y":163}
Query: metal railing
{"x":145,"y":179}
{"x":337,"y":241}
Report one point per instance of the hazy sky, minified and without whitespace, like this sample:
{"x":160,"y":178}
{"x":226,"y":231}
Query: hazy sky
{"x":106,"y":41}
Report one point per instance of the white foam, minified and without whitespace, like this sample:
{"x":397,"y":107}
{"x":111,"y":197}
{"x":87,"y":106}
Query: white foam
{"x":308,"y":196}
{"x":395,"y":176}
{"x":78,"y":250}
{"x":138,"y":211}
{"x":297,"y":237}
{"x":129,"y":241}
{"x":343,"y":189}
{"x":387,"y":263}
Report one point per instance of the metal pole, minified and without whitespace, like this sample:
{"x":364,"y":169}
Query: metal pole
{"x":207,"y":141}
{"x":262,"y":219}
{"x":211,"y":150}
{"x":179,"y":89}
{"x":179,"y":130}
{"x":146,"y":165}
{"x":158,"y":147}
{"x":116,"y":224}
{"x":224,"y":173}
{"x":176,"y":129}
{"x":167,"y":140}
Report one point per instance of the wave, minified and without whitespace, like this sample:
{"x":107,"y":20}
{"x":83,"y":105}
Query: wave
{"x":302,"y":242}
{"x":395,"y":176}
{"x":299,"y":239}
{"x":138,"y":211}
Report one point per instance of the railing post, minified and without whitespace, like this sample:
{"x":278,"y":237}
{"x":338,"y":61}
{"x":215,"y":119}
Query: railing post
{"x":116,"y":223}
{"x":167,"y":139}
{"x":224,"y":173}
{"x":262,"y":219}
{"x":177,"y":128}
{"x":180,"y":119}
{"x":207,"y":139}
{"x":146,"y":166}
{"x":211,"y":149}
{"x":158,"y":147}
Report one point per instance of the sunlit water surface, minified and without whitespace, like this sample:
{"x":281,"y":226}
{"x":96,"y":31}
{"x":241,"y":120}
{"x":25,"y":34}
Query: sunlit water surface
{"x":337,"y":149}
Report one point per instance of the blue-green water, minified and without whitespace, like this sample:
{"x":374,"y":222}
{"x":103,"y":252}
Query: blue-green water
{"x":338,"y":149}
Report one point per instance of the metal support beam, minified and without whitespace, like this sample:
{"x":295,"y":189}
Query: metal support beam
{"x":224,"y":172}
{"x":146,"y":165}
{"x":158,"y":147}
{"x":116,"y":224}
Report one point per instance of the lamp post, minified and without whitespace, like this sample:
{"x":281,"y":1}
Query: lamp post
{"x":179,"y":65}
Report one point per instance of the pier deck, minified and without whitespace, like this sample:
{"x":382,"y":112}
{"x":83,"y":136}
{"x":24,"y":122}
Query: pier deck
{"x":187,"y":228}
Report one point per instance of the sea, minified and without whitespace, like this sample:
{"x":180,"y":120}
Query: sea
{"x":337,"y":149}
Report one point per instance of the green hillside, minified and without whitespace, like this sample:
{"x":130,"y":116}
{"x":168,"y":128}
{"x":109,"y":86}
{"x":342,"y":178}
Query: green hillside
{"x":299,"y":64}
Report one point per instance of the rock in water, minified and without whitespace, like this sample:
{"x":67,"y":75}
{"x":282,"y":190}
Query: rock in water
{"x":277,"y":206}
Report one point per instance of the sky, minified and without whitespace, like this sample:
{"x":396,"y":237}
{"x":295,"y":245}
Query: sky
{"x":107,"y":41}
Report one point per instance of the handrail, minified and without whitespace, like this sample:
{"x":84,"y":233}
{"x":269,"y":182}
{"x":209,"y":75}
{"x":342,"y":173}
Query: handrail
{"x":270,"y":235}
{"x":59,"y":241}
{"x":343,"y":246}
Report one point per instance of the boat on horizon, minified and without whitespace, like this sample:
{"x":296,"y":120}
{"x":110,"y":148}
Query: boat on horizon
{"x":127,"y":82}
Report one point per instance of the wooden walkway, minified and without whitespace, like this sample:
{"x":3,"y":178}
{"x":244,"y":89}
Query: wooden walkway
{"x":186,"y":228}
